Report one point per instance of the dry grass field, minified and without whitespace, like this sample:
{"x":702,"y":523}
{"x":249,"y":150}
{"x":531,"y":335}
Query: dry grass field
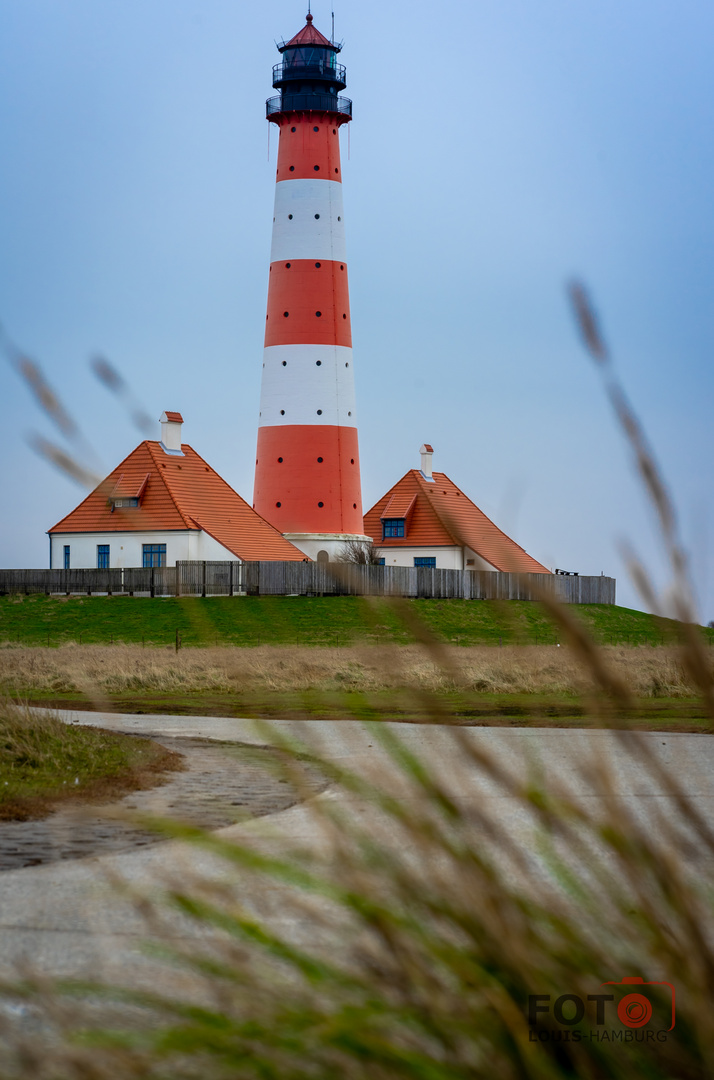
{"x":647,"y":672}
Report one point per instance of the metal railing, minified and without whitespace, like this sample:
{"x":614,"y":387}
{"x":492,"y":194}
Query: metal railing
{"x":308,"y":103}
{"x":285,"y":71}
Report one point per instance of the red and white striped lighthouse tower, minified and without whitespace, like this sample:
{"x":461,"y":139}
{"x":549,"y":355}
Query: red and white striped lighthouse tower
{"x":307,"y":478}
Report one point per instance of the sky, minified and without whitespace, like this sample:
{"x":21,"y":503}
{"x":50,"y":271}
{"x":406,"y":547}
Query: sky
{"x":497,"y":152}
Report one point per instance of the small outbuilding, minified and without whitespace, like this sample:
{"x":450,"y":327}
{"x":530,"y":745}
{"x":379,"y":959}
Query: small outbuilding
{"x":426,"y":520}
{"x":164,"y":504}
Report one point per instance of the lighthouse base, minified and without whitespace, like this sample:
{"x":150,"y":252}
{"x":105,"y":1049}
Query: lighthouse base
{"x":324,"y":547}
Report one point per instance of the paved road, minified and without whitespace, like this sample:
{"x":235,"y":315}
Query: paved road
{"x":72,"y":918}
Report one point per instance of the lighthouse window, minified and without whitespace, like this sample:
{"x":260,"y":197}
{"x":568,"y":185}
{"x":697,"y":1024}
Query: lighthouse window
{"x":290,"y":217}
{"x":285,"y":314}
{"x":316,"y":216}
{"x":320,"y":460}
{"x":285,"y":363}
{"x":280,"y":461}
{"x":319,"y":314}
{"x":319,"y":412}
{"x":292,"y":168}
{"x":317,"y":168}
{"x":282,"y":412}
{"x":318,"y":363}
{"x":349,"y":414}
{"x":340,"y":219}
{"x":278,"y":504}
{"x":320,"y":504}
{"x":287,"y":266}
{"x":335,"y":170}
{"x":293,"y":129}
{"x":318,"y":265}
{"x":347,"y":365}
{"x":352,"y":461}
{"x":316,"y":129}
{"x":354,"y":506}
{"x":392,"y":527}
{"x":334,"y":131}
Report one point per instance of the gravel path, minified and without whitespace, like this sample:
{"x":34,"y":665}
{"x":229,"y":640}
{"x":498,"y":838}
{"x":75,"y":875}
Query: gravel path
{"x":223,"y":783}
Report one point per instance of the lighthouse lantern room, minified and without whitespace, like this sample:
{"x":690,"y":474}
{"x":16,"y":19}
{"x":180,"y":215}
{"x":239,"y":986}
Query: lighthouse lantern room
{"x":307,"y":477}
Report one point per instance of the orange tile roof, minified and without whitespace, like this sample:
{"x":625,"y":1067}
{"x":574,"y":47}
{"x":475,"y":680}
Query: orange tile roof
{"x":443,"y":516}
{"x":173,"y":417}
{"x":179,"y":493}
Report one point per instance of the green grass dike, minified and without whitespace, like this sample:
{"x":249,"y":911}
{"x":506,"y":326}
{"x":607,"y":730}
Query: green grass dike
{"x":310,"y":621}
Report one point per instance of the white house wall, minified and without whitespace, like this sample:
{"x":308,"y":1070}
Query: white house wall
{"x":125,"y":549}
{"x":447,"y":558}
{"x":478,"y":562}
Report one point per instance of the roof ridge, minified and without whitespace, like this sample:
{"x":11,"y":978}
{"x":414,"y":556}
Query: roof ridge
{"x":164,"y":474}
{"x":488,"y":519}
{"x":225,"y":544}
{"x":102,"y":483}
{"x":430,"y":491}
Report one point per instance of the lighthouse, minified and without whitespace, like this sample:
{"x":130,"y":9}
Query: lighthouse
{"x":307,"y":476}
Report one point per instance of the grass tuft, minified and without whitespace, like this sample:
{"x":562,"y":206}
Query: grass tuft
{"x":45,"y":762}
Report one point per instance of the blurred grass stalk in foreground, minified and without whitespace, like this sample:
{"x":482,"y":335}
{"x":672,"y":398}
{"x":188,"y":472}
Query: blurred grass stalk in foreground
{"x":404,"y":938}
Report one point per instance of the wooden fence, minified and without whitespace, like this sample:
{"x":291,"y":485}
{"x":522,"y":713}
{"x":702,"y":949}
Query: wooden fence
{"x":310,"y":579}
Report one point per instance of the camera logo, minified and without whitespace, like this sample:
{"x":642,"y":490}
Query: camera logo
{"x":634,"y":1009}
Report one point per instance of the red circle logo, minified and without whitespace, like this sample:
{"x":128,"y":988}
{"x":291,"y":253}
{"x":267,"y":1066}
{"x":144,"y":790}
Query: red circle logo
{"x":634,"y":1010}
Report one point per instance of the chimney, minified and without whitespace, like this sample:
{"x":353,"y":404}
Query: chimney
{"x":426,"y":452}
{"x":171,"y":432}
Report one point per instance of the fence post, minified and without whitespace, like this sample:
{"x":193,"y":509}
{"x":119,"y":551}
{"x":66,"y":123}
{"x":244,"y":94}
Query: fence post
{"x":151,"y":584}
{"x":203,"y":578}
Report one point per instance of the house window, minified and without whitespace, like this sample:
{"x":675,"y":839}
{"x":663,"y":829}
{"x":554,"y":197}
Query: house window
{"x":381,"y":562}
{"x":124,"y":503}
{"x":66,"y":556}
{"x":425,"y":560}
{"x":102,"y":556}
{"x":154,"y":554}
{"x":392,"y":527}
